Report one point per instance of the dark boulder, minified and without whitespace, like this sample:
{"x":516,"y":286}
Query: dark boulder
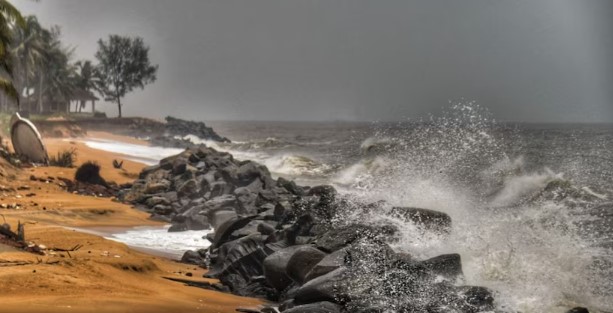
{"x":327,"y":264}
{"x":429,"y":219}
{"x":302,"y":262}
{"x":275,"y":267}
{"x":446,"y":265}
{"x":219,"y":217}
{"x":318,"y":307}
{"x":193,"y":257}
{"x":225,"y":230}
{"x":340,"y":237}
{"x":322,"y":288}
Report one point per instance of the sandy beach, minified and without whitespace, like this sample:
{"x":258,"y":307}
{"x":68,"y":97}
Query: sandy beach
{"x":103,"y":275}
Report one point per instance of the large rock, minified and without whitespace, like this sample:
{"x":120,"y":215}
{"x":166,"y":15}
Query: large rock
{"x":327,"y":264}
{"x":447,"y":265}
{"x":318,"y":307}
{"x":302,"y":261}
{"x":188,"y":189}
{"x":193,"y":257}
{"x":275,"y":267}
{"x":340,"y":237}
{"x":225,"y":230}
{"x":219,"y":217}
{"x":429,"y":219}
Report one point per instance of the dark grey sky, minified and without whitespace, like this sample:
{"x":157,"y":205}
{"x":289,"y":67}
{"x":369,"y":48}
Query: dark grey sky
{"x":525,"y":60}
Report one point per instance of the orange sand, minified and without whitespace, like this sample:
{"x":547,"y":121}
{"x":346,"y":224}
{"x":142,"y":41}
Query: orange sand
{"x":102,"y":276}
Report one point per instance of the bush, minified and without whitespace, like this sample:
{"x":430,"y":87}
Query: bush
{"x":65,"y":158}
{"x":89,"y":172}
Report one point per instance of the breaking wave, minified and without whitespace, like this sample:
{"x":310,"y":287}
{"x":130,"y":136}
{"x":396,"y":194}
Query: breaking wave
{"x":527,"y":234}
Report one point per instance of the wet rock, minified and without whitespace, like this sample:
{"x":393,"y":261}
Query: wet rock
{"x":275,"y":266}
{"x":265,"y":229}
{"x":193,"y":257}
{"x":246,"y":201}
{"x":148,"y":171}
{"x":429,"y":219}
{"x":225,"y":230}
{"x":219,"y":217}
{"x":303,"y":261}
{"x":161,"y":209}
{"x":220,"y":188}
{"x":340,"y":237}
{"x":157,"y":187}
{"x":156,"y":200}
{"x":188,"y":188}
{"x":220,"y":202}
{"x":446,"y":265}
{"x":322,"y":288}
{"x":475,"y":299}
{"x":318,"y":307}
{"x":327,"y":264}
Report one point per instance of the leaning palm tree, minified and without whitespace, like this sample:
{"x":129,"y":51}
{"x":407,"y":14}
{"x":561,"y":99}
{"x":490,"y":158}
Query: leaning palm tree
{"x":10,"y":18}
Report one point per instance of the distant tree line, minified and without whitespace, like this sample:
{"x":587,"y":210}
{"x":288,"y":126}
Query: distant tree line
{"x":37,"y":69}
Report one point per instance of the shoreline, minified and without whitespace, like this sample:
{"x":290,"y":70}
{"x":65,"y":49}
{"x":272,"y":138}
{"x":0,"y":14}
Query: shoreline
{"x":111,"y":275}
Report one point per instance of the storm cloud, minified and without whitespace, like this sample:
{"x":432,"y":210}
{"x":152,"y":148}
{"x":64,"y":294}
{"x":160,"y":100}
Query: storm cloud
{"x":535,"y":61}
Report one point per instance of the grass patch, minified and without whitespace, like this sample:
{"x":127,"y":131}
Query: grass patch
{"x":64,"y":158}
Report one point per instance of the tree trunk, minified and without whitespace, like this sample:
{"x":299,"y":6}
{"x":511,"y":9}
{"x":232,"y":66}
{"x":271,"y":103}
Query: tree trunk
{"x":119,"y":106}
{"x":25,"y":77}
{"x":40,"y":92}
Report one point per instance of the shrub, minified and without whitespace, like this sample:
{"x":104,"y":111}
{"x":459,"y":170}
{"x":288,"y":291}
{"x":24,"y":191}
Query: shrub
{"x":89,"y":172}
{"x":64,"y":158}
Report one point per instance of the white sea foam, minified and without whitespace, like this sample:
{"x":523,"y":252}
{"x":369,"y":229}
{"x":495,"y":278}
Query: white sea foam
{"x":141,"y":153}
{"x":531,"y":253}
{"x":159,"y":239}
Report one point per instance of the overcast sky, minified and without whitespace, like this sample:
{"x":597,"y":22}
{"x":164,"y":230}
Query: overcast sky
{"x":546,"y":60}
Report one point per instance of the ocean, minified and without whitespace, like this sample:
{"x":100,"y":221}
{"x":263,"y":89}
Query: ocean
{"x":531,"y":204}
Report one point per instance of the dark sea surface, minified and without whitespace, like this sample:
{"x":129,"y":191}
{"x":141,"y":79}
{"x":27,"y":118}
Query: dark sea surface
{"x":531,"y":203}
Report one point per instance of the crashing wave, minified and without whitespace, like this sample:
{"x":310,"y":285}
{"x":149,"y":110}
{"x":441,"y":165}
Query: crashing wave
{"x":521,"y":232}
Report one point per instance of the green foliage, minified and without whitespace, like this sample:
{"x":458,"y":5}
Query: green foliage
{"x":10,"y":18}
{"x":64,"y":158}
{"x":123,"y":65}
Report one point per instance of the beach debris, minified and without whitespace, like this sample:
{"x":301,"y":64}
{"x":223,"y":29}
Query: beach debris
{"x":27,"y":141}
{"x":73,"y":249}
{"x":117,"y":164}
{"x":16,"y":239}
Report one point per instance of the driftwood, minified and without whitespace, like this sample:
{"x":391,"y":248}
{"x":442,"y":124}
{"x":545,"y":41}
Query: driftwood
{"x":199,"y":284}
{"x":117,"y":164}
{"x":75,"y":248}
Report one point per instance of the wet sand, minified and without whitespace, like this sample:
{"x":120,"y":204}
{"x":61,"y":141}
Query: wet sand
{"x":103,"y":275}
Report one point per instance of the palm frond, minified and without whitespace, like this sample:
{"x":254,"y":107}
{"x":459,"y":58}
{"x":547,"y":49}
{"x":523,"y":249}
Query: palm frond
{"x":8,"y":88}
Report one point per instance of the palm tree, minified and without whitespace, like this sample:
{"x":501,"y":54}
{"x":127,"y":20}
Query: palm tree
{"x":9,"y":18}
{"x":87,"y":78}
{"x":29,"y":50}
{"x":61,"y":76}
{"x":57,"y":78}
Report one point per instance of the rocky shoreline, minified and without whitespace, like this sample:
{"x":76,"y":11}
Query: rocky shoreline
{"x":290,"y":244}
{"x":170,"y":133}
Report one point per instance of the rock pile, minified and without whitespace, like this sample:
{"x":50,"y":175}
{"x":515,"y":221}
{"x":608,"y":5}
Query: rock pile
{"x":175,"y":130}
{"x":179,"y":127}
{"x":286,"y":243}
